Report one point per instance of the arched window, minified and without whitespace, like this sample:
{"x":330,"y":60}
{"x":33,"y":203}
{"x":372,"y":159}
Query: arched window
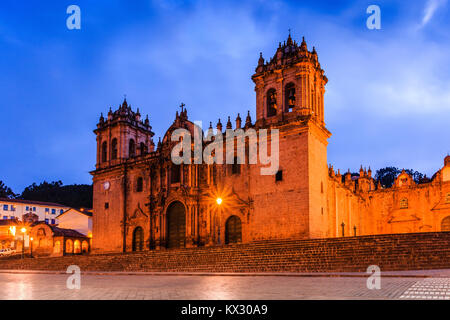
{"x":57,"y":247}
{"x":175,"y":174}
{"x":236,"y":167}
{"x":77,"y":246}
{"x":104,"y":151}
{"x":131,"y":148}
{"x":69,"y":246}
{"x":140,"y":184}
{"x":143,"y":148}
{"x":84,"y":247}
{"x":289,"y":96}
{"x":138,"y":239}
{"x":404,"y":203}
{"x":271,"y":103}
{"x":114,"y":149}
{"x":445,"y":224}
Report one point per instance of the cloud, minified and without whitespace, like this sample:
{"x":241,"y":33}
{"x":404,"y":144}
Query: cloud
{"x":387,"y":100}
{"x":430,"y":9}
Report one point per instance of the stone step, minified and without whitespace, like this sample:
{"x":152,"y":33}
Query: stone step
{"x":390,"y":252}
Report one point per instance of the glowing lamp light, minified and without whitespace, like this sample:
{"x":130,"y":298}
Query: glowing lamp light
{"x":23,"y":230}
{"x":219,"y":201}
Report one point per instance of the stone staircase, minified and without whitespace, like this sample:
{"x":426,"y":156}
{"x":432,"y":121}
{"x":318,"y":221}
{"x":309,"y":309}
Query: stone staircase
{"x":390,"y":252}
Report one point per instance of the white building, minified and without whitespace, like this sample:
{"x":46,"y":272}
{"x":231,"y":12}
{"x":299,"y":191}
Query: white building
{"x":76,"y":219}
{"x":15,"y":208}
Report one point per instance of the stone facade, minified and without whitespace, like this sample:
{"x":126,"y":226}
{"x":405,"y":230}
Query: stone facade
{"x":50,"y":240}
{"x":143,"y":201}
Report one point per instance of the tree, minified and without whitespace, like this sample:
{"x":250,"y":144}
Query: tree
{"x":388,"y":175}
{"x":75,"y":195}
{"x":6,"y":192}
{"x":417,"y":176}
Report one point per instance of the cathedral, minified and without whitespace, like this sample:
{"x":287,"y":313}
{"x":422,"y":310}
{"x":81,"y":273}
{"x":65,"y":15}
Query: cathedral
{"x":144,"y":201}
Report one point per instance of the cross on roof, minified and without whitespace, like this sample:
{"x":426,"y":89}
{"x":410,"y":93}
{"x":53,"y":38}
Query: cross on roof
{"x":182,"y":106}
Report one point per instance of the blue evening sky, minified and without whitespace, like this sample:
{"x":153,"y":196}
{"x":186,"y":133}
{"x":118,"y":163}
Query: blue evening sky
{"x":387,"y":100}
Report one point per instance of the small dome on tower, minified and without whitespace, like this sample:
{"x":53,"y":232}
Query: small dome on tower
{"x":229,"y":126}
{"x":303,"y":46}
{"x":261,"y":59}
{"x":219,"y":126}
{"x":238,"y":121}
{"x":248,"y":120}
{"x":289,"y":40}
{"x":447,"y":161}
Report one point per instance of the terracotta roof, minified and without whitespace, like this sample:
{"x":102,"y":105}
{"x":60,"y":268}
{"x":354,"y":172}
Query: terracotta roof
{"x":60,"y":232}
{"x":38,"y":203}
{"x":86,"y":212}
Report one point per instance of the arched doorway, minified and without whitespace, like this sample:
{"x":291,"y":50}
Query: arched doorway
{"x":138,"y":239}
{"x":176,"y":225}
{"x":445,"y":224}
{"x":233,"y":230}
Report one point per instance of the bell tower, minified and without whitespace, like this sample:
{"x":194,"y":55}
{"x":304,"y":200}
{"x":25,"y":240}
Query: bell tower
{"x":290,"y":90}
{"x":290,"y":83}
{"x":123,"y":135}
{"x":123,"y":141}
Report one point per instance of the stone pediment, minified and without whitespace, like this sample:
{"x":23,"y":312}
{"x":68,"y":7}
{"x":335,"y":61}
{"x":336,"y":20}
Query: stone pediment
{"x":441,"y":205}
{"x":403,"y":215}
{"x":138,"y":212}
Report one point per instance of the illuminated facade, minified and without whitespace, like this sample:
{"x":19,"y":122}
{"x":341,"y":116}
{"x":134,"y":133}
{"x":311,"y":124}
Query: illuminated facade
{"x":142,"y":201}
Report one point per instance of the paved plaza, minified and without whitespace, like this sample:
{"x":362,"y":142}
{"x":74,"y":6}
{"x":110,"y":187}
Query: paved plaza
{"x":217,"y":287}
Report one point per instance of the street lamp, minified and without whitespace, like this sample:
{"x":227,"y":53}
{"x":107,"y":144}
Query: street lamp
{"x":31,"y":247}
{"x":23,"y":230}
{"x":219,"y":202}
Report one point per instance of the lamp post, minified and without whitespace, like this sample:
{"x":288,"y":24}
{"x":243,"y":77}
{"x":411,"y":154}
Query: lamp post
{"x":31,"y":247}
{"x":24,"y":230}
{"x":219,"y":203}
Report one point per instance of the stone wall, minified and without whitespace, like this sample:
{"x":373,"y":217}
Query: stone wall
{"x":389,"y":252}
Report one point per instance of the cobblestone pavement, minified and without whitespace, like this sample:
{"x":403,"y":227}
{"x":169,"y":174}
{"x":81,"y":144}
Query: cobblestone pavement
{"x":435,"y":289}
{"x":134,"y":287}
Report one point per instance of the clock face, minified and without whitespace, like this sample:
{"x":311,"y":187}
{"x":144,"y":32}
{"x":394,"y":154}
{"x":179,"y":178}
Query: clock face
{"x":106,"y":185}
